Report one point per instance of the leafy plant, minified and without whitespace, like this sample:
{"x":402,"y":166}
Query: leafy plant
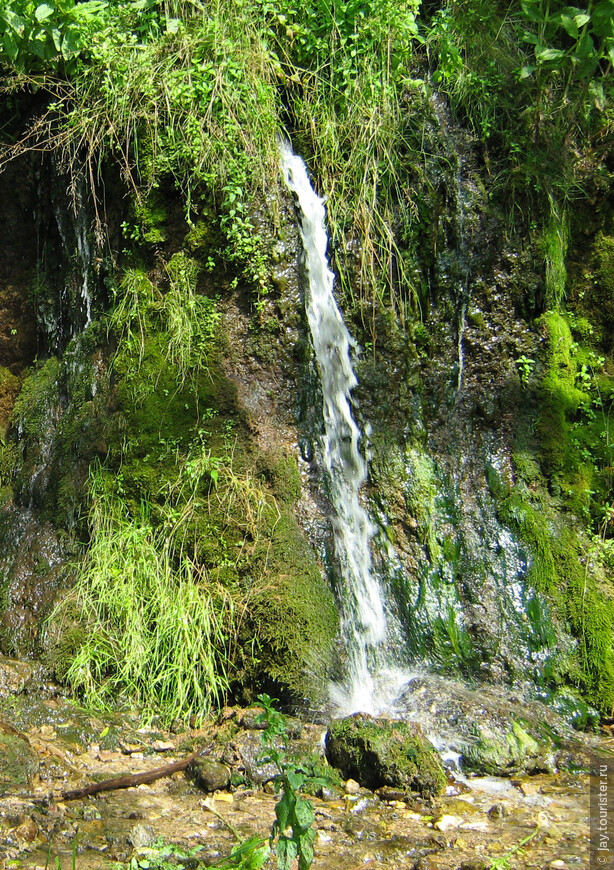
{"x":292,"y":830}
{"x":525,"y":367}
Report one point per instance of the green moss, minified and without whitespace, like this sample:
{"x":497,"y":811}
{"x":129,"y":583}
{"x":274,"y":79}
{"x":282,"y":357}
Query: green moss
{"x":604,"y":251}
{"x":292,"y":616}
{"x":505,"y":752}
{"x":280,"y":470}
{"x":38,"y":400}
{"x":560,"y":398}
{"x":380,"y":752}
{"x":582,"y":601}
{"x":151,"y":215}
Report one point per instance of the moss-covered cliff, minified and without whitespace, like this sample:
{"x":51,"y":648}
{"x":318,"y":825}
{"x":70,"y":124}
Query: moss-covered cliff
{"x":158,"y":396}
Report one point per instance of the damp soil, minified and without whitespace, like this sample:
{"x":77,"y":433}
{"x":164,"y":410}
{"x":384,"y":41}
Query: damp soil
{"x":478,"y":821}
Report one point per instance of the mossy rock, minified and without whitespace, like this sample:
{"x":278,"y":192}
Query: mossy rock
{"x":383,"y":752}
{"x":9,"y":388}
{"x":581,"y":600}
{"x":18,"y":762}
{"x":292,"y":620}
{"x":505,"y":752}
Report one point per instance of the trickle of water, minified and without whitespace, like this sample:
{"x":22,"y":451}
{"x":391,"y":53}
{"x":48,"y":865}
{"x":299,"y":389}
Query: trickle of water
{"x":361,"y":605}
{"x":73,"y":231}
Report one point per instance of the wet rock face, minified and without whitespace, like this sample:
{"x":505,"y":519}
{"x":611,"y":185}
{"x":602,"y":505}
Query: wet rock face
{"x":383,"y":752}
{"x":17,"y":266}
{"x":14,"y":676}
{"x":492,"y":730}
{"x":30,"y":574}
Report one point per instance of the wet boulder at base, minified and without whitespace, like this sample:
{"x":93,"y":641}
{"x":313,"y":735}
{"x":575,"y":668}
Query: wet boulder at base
{"x":384,"y":752}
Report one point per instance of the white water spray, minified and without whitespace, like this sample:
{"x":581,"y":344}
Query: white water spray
{"x":362,"y":611}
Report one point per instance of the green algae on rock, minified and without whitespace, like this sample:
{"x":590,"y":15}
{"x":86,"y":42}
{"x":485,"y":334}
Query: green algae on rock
{"x":378,"y":752}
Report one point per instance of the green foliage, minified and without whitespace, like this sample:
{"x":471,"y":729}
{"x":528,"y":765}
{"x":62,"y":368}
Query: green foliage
{"x":555,"y":240}
{"x":250,"y":854}
{"x":570,"y":42}
{"x":196,"y":104}
{"x":47,"y":35}
{"x":164,"y":856}
{"x":191,"y":320}
{"x":350,"y":94}
{"x":534,"y":84}
{"x":156,"y":633}
{"x":525,"y":367}
{"x":293,"y":812}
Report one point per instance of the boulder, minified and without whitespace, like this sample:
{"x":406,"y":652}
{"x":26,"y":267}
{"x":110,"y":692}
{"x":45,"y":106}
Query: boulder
{"x":209,"y":775}
{"x":492,"y":729}
{"x":384,"y":752}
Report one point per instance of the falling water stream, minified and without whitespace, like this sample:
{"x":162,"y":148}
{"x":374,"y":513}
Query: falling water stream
{"x":361,"y":605}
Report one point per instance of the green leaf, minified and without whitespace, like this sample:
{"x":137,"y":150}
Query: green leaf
{"x":287,"y":850}
{"x":582,"y":19}
{"x":56,"y":36}
{"x":547,"y":54}
{"x":304,"y":814}
{"x":10,"y":46}
{"x":570,"y":26}
{"x":43,"y":12}
{"x":585,"y":47}
{"x":305,"y":858}
{"x":295,"y":779}
{"x":526,"y":71}
{"x":14,"y":21}
{"x":596,"y":91}
{"x":283,"y":810}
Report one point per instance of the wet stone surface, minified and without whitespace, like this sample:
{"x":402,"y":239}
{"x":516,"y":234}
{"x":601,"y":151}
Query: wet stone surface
{"x":475,"y":821}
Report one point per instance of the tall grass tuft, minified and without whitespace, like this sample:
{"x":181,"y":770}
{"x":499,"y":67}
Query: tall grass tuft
{"x":156,"y":633}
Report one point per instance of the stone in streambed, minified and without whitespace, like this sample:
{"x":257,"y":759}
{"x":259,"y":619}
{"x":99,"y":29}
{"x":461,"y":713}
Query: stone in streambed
{"x":384,"y":752}
{"x":18,"y":762}
{"x":14,"y":676}
{"x":209,"y":775}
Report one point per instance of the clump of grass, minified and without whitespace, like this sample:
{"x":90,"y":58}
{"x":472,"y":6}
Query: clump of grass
{"x":156,"y":631}
{"x":191,"y":319}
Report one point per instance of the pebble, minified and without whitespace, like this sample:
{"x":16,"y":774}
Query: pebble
{"x":497,"y":811}
{"x":141,"y":836}
{"x":351,"y":787}
{"x":558,"y":864}
{"x":447,"y":823}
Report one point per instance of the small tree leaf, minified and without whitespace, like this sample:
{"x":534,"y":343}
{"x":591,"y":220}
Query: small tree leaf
{"x":283,"y":811}
{"x":11,"y":48}
{"x":43,"y":12}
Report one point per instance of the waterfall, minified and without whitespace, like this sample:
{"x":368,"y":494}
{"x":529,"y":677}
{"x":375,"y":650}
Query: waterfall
{"x":362,"y":611}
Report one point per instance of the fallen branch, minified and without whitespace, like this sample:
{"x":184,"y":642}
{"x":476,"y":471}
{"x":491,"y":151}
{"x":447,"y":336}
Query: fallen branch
{"x":135,"y":778}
